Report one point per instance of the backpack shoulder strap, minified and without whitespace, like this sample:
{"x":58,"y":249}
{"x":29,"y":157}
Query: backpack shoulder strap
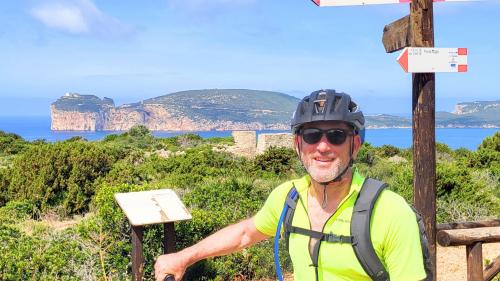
{"x":360,"y":229}
{"x":291,"y":201}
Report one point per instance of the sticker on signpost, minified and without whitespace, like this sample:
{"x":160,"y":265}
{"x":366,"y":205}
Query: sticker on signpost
{"x":429,"y":60}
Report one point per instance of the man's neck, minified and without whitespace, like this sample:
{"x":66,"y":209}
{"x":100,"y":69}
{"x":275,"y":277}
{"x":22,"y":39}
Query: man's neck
{"x":335,"y":191}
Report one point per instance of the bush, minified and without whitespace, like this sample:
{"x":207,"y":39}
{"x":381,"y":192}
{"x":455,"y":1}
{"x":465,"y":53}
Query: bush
{"x":475,"y":194}
{"x":387,"y":151}
{"x":278,"y":160}
{"x":366,"y":154}
{"x":443,"y":148}
{"x":52,"y":257}
{"x":4,"y":186}
{"x":492,"y":143}
{"x":11,"y":143}
{"x":138,"y":137}
{"x":17,"y":210}
{"x":59,"y":175}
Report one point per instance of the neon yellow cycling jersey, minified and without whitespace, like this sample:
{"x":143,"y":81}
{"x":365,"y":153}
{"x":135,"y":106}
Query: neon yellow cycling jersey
{"x":393,"y":229}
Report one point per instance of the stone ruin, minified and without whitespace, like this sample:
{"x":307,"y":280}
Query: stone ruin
{"x":247,"y":144}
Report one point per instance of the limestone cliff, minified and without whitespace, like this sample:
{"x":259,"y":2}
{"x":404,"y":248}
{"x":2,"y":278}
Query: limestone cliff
{"x":185,"y":111}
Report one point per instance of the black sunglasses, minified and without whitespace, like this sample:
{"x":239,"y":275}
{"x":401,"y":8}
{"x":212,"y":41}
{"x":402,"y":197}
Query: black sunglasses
{"x":334,"y":136}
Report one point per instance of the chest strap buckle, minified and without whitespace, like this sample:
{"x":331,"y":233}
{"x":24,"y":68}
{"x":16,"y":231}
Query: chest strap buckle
{"x":332,"y":238}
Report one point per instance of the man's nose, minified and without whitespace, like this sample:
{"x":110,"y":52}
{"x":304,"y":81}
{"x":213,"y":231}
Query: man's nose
{"x":323,"y":144}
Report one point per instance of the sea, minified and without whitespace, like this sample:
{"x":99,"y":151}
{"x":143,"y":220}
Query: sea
{"x":33,"y":128}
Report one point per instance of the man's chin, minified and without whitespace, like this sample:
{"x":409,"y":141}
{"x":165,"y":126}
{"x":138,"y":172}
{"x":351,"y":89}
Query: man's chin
{"x":321,"y":177}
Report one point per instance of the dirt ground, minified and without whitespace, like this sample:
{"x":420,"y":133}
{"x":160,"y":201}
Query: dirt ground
{"x":452,"y":264}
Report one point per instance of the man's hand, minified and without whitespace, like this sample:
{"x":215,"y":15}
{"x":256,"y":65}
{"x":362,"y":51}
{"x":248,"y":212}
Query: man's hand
{"x":170,"y":264}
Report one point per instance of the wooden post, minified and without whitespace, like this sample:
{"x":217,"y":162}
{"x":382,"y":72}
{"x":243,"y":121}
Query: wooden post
{"x":459,"y":237}
{"x":168,"y":238}
{"x":423,"y":110}
{"x":397,"y":35}
{"x":492,"y":269}
{"x":137,"y":256}
{"x":468,"y":224}
{"x":474,"y":262}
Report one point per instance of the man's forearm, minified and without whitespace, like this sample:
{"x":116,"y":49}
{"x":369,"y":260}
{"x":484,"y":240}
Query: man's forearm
{"x":225,"y":241}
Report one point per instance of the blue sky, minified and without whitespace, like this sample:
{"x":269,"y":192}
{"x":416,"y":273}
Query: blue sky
{"x":133,"y":50}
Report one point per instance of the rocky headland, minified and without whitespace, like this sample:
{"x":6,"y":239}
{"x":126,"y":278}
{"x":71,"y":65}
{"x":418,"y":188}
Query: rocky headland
{"x":229,"y":109}
{"x":202,"y":110}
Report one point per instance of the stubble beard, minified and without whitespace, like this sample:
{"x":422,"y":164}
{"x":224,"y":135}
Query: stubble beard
{"x":320,"y":174}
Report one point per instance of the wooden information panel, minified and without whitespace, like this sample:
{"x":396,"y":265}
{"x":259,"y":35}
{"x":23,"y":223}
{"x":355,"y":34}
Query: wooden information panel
{"x":152,"y":207}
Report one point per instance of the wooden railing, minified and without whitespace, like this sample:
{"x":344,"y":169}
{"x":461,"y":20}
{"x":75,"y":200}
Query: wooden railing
{"x":473,"y":235}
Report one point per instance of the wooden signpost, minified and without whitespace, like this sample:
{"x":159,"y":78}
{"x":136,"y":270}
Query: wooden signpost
{"x":147,"y":208}
{"x":421,"y":30}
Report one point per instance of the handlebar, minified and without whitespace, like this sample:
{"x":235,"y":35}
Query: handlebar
{"x":169,"y":277}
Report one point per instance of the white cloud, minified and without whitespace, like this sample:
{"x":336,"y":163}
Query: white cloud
{"x":79,"y":17}
{"x":67,"y":18}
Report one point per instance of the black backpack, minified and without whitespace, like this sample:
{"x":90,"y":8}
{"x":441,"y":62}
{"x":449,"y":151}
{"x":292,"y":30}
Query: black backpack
{"x":360,"y":231}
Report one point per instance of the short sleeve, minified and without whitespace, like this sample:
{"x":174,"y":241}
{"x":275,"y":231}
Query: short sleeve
{"x":402,"y":251}
{"x":266,"y":219}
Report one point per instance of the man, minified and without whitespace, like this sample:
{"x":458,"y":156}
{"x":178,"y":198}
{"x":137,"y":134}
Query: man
{"x":328,"y":132}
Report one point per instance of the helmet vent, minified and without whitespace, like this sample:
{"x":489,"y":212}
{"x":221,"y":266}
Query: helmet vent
{"x":336,"y":101}
{"x":320,"y":103}
{"x":353,"y":107}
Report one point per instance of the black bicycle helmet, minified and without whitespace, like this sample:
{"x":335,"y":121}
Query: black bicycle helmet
{"x":328,"y":105}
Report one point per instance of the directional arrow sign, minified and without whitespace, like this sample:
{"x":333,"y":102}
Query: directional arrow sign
{"x":324,"y":3}
{"x":425,"y":60}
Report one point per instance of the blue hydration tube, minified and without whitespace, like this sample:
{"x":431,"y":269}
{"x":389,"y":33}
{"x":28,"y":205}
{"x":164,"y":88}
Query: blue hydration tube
{"x":277,"y":238}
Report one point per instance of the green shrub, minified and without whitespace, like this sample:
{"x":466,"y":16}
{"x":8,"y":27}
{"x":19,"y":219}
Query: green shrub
{"x":4,"y":186}
{"x":220,"y":140}
{"x":278,"y":160}
{"x":443,"y":148}
{"x":138,"y":137}
{"x":189,"y":140}
{"x":54,"y":257}
{"x":470,"y":193}
{"x":388,"y":151}
{"x":17,"y":210}
{"x":366,"y":154}
{"x":11,"y":143}
{"x":492,"y":142}
{"x":59,"y":175}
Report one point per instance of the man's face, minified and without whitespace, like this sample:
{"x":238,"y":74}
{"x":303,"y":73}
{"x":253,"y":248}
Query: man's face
{"x":323,"y":160}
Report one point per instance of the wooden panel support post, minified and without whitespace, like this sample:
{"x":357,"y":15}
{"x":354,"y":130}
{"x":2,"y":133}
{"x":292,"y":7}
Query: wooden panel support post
{"x":474,"y":261}
{"x":137,"y":256}
{"x":168,"y":238}
{"x":423,"y":110}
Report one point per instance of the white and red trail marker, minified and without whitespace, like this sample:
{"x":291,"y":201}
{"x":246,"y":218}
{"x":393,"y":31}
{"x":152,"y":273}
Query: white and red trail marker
{"x":326,"y":3}
{"x":427,"y":60}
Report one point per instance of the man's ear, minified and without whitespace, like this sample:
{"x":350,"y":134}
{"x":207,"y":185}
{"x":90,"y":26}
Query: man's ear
{"x":296,"y":142}
{"x":357,"y":146}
